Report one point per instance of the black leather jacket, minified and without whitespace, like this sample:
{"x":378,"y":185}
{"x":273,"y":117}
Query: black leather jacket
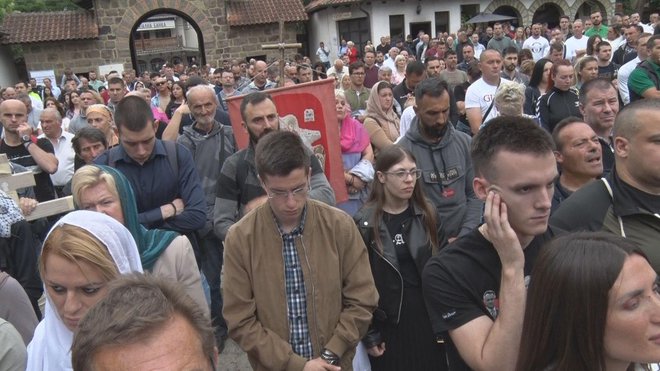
{"x":385,"y":266}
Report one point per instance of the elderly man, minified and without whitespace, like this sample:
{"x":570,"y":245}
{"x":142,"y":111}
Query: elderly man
{"x":210,"y":143}
{"x":51,"y":124}
{"x":339,"y":69}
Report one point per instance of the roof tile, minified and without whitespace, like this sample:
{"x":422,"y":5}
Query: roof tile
{"x":243,"y":13}
{"x":20,"y":28}
{"x":318,"y":4}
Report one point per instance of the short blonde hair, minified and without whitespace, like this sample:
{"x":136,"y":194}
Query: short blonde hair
{"x":510,"y":98}
{"x":89,"y":176}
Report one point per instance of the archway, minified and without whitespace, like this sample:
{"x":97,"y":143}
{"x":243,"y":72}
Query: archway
{"x":165,"y":34}
{"x":584,"y":11}
{"x":511,"y":12}
{"x":548,"y":13}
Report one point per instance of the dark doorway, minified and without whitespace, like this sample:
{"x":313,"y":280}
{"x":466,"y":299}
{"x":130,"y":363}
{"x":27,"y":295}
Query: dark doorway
{"x":511,"y":12}
{"x":165,"y":35}
{"x":548,"y":13}
{"x":415,"y":27}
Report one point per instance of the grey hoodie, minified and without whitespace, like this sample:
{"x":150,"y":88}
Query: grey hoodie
{"x":209,"y":153}
{"x":447,"y":177}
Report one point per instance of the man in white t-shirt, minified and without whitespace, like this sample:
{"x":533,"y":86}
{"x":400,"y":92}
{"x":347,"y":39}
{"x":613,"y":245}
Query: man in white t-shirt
{"x":576,"y":45}
{"x":538,"y":44}
{"x":479,"y":106}
{"x":625,"y":70}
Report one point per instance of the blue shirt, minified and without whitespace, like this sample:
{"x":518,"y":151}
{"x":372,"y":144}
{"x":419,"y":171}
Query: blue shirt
{"x":296,"y":297}
{"x":154,"y":185}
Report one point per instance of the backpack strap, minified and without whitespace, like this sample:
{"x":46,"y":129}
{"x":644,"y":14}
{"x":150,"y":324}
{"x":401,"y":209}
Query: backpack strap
{"x":172,"y":156}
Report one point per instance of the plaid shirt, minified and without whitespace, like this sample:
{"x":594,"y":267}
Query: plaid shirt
{"x":295,"y":292}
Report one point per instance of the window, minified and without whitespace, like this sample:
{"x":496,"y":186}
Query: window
{"x":441,"y":22}
{"x":397,"y":28}
{"x":163,"y":33}
{"x":468,"y":11}
{"x":356,"y":30}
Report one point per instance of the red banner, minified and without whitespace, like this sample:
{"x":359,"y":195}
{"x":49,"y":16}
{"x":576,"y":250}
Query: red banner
{"x":313,"y":105}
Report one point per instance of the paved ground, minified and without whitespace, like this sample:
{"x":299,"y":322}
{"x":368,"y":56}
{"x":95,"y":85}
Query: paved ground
{"x":233,"y":358}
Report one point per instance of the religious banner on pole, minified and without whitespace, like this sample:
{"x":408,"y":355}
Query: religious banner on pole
{"x":309,"y":110}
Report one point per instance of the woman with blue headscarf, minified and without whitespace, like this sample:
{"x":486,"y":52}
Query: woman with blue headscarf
{"x":163,"y":253}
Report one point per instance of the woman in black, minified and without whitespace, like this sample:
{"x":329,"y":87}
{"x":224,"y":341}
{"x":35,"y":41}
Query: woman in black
{"x":401,"y":232}
{"x":538,"y":84}
{"x":561,"y":100}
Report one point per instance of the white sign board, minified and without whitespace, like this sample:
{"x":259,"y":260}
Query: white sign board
{"x":41,"y":75}
{"x":106,"y":68}
{"x":156,"y":25}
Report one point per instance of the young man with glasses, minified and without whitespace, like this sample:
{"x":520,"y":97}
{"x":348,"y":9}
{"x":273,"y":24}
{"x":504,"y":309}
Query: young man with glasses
{"x":443,"y":153}
{"x":292,"y":245}
{"x":239,"y":188}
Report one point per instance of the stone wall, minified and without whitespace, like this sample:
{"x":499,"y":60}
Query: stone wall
{"x":527,"y":13}
{"x":117,"y":18}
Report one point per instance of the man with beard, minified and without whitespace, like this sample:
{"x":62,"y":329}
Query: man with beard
{"x":444,"y":155}
{"x":597,"y":28}
{"x":510,"y":70}
{"x":239,"y":189}
{"x":210,"y":143}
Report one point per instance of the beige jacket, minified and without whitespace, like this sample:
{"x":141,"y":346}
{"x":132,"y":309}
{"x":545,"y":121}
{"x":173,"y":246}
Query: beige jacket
{"x":177,"y":263}
{"x":341,"y":294}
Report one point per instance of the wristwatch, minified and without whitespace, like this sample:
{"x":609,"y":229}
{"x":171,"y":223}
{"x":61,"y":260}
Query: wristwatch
{"x":27,"y":140}
{"x":330,"y":357}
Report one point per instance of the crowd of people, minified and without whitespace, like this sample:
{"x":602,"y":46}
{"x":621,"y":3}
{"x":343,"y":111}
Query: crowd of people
{"x":503,"y":209}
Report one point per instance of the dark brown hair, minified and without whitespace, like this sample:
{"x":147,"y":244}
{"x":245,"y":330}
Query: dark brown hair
{"x":567,"y":301}
{"x":387,"y":158}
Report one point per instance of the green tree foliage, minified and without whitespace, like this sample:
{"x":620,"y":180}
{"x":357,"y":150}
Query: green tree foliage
{"x":43,"y":5}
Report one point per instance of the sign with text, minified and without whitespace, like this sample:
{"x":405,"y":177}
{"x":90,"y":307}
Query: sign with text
{"x":161,"y":24}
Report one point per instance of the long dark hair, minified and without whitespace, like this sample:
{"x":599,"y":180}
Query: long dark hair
{"x":567,"y":301}
{"x":537,"y":73}
{"x":590,"y":43}
{"x":387,"y":158}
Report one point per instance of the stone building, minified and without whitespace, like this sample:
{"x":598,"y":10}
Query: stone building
{"x":102,"y":32}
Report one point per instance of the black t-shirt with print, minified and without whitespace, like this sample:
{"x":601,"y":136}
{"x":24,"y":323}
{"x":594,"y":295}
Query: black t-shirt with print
{"x":43,"y":188}
{"x":462,"y":283}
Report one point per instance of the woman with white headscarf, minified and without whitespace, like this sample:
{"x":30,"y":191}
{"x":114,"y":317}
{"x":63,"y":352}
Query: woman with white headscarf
{"x":381,"y":122}
{"x":82,"y":253}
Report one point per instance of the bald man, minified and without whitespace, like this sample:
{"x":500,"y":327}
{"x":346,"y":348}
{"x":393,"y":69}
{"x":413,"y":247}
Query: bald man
{"x":260,"y":82}
{"x":24,"y":149}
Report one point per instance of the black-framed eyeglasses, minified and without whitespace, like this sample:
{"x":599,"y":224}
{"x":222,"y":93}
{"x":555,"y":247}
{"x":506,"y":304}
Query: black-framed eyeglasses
{"x":403,"y":174}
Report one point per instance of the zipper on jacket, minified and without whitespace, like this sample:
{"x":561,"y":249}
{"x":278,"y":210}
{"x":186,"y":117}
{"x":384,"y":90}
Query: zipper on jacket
{"x":398,"y":315}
